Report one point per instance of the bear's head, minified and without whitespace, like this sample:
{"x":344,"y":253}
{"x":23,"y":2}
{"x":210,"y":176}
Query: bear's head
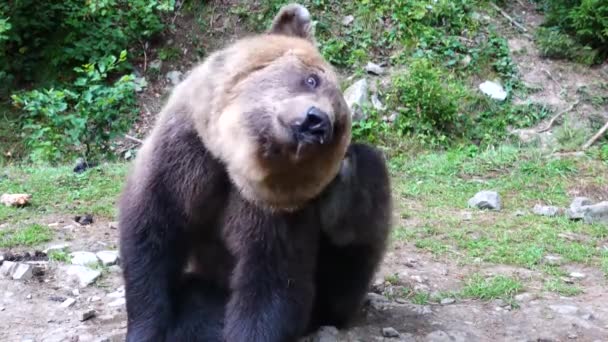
{"x":278,"y":118}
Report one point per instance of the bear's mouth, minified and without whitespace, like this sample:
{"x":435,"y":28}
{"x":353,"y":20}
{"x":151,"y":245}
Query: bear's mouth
{"x":315,"y":129}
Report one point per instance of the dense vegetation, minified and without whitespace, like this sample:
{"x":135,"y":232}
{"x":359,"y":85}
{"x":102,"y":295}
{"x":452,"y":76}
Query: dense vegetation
{"x":66,"y":68}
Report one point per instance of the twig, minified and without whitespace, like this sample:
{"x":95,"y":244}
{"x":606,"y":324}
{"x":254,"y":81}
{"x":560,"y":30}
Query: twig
{"x":504,"y":14}
{"x":139,"y":141}
{"x":556,"y":116}
{"x":596,"y":136}
{"x":143,"y":45}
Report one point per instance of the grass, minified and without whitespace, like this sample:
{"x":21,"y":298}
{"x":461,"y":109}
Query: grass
{"x":560,"y":287}
{"x":498,"y":287}
{"x":59,"y":255}
{"x":31,"y":235}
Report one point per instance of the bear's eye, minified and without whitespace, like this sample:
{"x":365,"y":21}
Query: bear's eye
{"x":312,"y":81}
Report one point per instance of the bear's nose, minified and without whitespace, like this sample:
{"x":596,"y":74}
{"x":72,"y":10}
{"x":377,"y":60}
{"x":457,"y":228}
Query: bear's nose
{"x":316,"y":127}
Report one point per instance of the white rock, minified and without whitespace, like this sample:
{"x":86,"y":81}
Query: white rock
{"x":356,"y":97}
{"x":347,"y":20}
{"x":552,"y":259}
{"x":175,"y":77}
{"x":83,"y":258}
{"x":120,"y":293}
{"x":493,"y":90}
{"x":117,"y":302}
{"x":596,"y":213}
{"x":376,"y":103}
{"x":67,"y":303}
{"x":23,"y":272}
{"x":87,"y":314}
{"x":108,"y":258}
{"x":374,"y":68}
{"x":576,"y":211}
{"x":156,"y":65}
{"x":7,"y":268}
{"x":577,"y":275}
{"x":545,"y":210}
{"x":57,"y":247}
{"x":113,"y":225}
{"x":447,"y":301}
{"x":85,"y":275}
{"x":486,"y":200}
{"x":390,"y":332}
{"x":564,"y":309}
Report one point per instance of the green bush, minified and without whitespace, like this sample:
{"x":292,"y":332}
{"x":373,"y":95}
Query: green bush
{"x":40,"y":39}
{"x":584,"y":21}
{"x":79,"y":119}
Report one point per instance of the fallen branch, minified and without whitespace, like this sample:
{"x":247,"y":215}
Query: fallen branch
{"x":508,"y":17}
{"x":556,"y":116}
{"x":596,"y":136}
{"x":139,"y":141}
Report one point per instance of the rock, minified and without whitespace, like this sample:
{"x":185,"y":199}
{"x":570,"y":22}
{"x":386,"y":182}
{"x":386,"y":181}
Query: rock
{"x":85,"y":275}
{"x":113,"y":225}
{"x":140,"y":84}
{"x":356,"y":97}
{"x":67,"y":303}
{"x":23,"y":272}
{"x":564,"y":309}
{"x":83,"y":258}
{"x":326,"y":334}
{"x":84,"y":220}
{"x":87,"y":314}
{"x":376,"y":103}
{"x":576,"y":211}
{"x":114,"y":269}
{"x":577,"y":275}
{"x":15,"y":200}
{"x":117,"y":302}
{"x":390,"y":332}
{"x":376,"y":301}
{"x":493,"y":90}
{"x":526,"y":135}
{"x":120,"y":293}
{"x":175,"y":77}
{"x":553,"y":260}
{"x":500,"y":303}
{"x":57,"y":247}
{"x":486,"y":200}
{"x":545,"y":210}
{"x":373,"y":68}
{"x":447,"y":301}
{"x":347,"y":20}
{"x":7,"y":268}
{"x":524,"y":297}
{"x":467,"y":216}
{"x":596,"y":213}
{"x":156,"y":65}
{"x":108,"y":258}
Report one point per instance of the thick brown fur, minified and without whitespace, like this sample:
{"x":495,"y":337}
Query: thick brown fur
{"x":225,"y":214}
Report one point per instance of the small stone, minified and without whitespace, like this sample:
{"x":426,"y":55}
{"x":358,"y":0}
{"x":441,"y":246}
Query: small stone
{"x":85,"y":275}
{"x":553,"y":260}
{"x":75,"y":292}
{"x":114,"y":269}
{"x":156,"y":65}
{"x":140,"y":84}
{"x":57,"y":247}
{"x":572,"y":336}
{"x":576,"y":211}
{"x":113,"y":225}
{"x":326,"y":334}
{"x":347,"y":20}
{"x":564,"y":309}
{"x":448,"y":301}
{"x":87,"y":314}
{"x":83,"y":258}
{"x":577,"y":275}
{"x":545,"y":210}
{"x":390,"y":332}
{"x":15,"y":200}
{"x":493,"y":90}
{"x":84,"y":220}
{"x":7,"y":268}
{"x":376,"y":301}
{"x":417,"y":278}
{"x":175,"y":77}
{"x":596,"y":213}
{"x":400,"y":300}
{"x":467,"y":216}
{"x":524,"y":297}
{"x":23,"y":272}
{"x":94,"y":299}
{"x":108,"y":258}
{"x":356,"y":97}
{"x":118,"y":302}
{"x":120,"y":293}
{"x":374,"y":68}
{"x":29,"y":296}
{"x":500,"y":303}
{"x":67,"y":303}
{"x":376,"y":103}
{"x":486,"y":200}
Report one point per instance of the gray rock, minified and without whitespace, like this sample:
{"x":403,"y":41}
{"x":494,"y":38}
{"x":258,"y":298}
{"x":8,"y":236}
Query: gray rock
{"x":108,"y":258}
{"x":156,"y":65}
{"x":83,"y":258}
{"x":596,"y":213}
{"x":486,"y":200}
{"x":493,"y":90}
{"x":85,"y":275}
{"x":23,"y":272}
{"x":174,"y":77}
{"x":553,"y":260}
{"x":376,"y":103}
{"x":546,"y":210}
{"x":115,"y":269}
{"x":67,"y":303}
{"x":140,"y":84}
{"x":356,"y":97}
{"x":376,"y":301}
{"x":373,"y":68}
{"x":57,"y":247}
{"x":577,"y":275}
{"x":564,"y":309}
{"x":7,"y":268}
{"x":500,"y":303}
{"x":347,"y":20}
{"x":86,"y":314}
{"x":326,"y":334}
{"x":117,"y":302}
{"x":524,"y":297}
{"x":447,"y":301}
{"x":390,"y":332}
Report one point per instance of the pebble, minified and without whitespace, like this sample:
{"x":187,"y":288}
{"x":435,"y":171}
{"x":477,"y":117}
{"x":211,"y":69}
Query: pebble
{"x":23,"y":272}
{"x":376,"y":301}
{"x":493,"y":90}
{"x":374,"y":68}
{"x":552,"y":260}
{"x":564,"y":309}
{"x":175,"y":77}
{"x":390,"y":332}
{"x":85,"y":275}
{"x":108,"y":258}
{"x":546,"y":210}
{"x":87,"y":314}
{"x":486,"y":200}
{"x":67,"y":303}
{"x":83,"y":258}
{"x":577,"y":275}
{"x":447,"y":301}
{"x":347,"y":20}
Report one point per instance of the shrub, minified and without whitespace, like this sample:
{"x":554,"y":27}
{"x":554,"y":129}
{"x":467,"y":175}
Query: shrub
{"x":81,"y":118}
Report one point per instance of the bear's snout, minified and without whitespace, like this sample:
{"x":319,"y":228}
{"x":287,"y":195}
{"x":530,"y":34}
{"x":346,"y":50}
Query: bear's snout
{"x":316,"y":128}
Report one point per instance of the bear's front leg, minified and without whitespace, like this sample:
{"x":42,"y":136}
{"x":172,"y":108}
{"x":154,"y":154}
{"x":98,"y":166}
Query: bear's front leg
{"x":272,"y":284}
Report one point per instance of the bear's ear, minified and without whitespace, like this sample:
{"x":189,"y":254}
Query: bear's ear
{"x":293,"y":20}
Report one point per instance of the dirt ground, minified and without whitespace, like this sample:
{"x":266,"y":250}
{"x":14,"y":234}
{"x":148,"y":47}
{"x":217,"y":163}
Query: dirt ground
{"x":32,"y":311}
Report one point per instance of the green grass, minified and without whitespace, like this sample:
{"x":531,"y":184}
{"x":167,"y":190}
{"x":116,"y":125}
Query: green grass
{"x":61,"y":255}
{"x":560,"y":287}
{"x":31,"y":235}
{"x":491,"y":288}
{"x":59,"y":190}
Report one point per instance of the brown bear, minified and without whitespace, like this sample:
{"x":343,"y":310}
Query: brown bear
{"x":249,"y":215}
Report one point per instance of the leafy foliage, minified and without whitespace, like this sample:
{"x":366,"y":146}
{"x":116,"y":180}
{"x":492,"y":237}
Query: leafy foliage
{"x":80,"y":118}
